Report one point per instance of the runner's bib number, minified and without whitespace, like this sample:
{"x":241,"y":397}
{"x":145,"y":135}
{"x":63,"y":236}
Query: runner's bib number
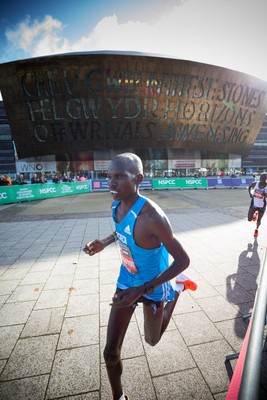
{"x":127,"y":259}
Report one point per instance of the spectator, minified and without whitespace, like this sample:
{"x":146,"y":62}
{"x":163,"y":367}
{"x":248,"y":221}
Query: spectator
{"x":56,"y":179}
{"x":22,"y":180}
{"x":65,"y":178}
{"x":35,"y":179}
{"x":9,"y":183}
{"x":3,"y":181}
{"x":43,"y":179}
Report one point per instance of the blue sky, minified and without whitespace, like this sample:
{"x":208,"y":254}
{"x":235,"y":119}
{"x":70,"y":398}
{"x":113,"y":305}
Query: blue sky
{"x":228,"y":33}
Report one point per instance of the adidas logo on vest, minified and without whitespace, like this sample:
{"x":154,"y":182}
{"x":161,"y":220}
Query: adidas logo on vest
{"x":128,"y":230}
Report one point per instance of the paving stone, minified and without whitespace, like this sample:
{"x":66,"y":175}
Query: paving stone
{"x":33,"y":278}
{"x":3,"y":269}
{"x":220,"y":396}
{"x":234,"y":331}
{"x":161,"y":358}
{"x":15,"y":273}
{"x":3,"y":299}
{"x":2,"y":366}
{"x":186,"y":304}
{"x":8,"y":286}
{"x":59,"y":282}
{"x":42,"y":266}
{"x":136,"y":380}
{"x":196,"y":328}
{"x":52,"y":298}
{"x":85,"y":286}
{"x":204,"y":289}
{"x":235,"y":293}
{"x":132,"y":344}
{"x":44,"y":322}
{"x":32,"y":356}
{"x":247,"y":281}
{"x":25,"y":293}
{"x":8,"y":338}
{"x":104,"y":313}
{"x":75,"y":371}
{"x":79,"y":331}
{"x":15,"y":313}
{"x":107,"y":292}
{"x":218,"y":309}
{"x":88,"y":272}
{"x":24,"y":389}
{"x":86,"y":396}
{"x":210,"y":359}
{"x":109,"y":278}
{"x":182,"y":385}
{"x":82,"y":305}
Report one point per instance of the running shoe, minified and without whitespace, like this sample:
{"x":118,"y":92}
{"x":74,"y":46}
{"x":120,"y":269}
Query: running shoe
{"x":256,"y":233}
{"x":187,"y":282}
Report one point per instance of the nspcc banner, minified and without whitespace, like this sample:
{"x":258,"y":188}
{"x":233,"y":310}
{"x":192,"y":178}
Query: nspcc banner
{"x":19,"y":193}
{"x":179,"y":183}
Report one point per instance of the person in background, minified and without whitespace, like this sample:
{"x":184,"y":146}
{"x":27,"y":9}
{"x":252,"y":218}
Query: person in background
{"x":9,"y":182}
{"x":258,"y":192}
{"x":82,"y":178}
{"x":43,"y":179}
{"x":145,"y":239}
{"x":64,"y":178}
{"x":35,"y":179}
{"x":22,"y":180}
{"x":56,"y":179}
{"x":3,"y":181}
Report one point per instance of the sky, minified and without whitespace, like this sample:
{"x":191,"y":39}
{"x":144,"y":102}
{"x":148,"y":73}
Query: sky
{"x":226,"y":33}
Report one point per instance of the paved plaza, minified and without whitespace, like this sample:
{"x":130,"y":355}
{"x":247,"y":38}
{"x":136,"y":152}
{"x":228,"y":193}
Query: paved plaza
{"x":54,"y":299}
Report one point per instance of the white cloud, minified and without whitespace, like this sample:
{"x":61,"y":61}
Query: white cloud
{"x":229,"y":33}
{"x":38,"y":38}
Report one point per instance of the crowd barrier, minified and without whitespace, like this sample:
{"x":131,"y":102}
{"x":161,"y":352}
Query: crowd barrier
{"x":245,"y":383}
{"x":29,"y":192}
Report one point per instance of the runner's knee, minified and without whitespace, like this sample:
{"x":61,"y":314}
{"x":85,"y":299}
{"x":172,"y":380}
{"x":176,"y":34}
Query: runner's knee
{"x":111,"y":357}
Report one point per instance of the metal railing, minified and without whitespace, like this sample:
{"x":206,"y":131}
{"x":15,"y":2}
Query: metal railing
{"x":250,"y":381}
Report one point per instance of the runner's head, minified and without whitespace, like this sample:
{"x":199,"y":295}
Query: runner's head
{"x":130,"y":161}
{"x":263,"y":177}
{"x":125,"y":173}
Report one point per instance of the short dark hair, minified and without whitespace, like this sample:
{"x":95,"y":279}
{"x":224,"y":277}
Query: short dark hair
{"x":133,"y":161}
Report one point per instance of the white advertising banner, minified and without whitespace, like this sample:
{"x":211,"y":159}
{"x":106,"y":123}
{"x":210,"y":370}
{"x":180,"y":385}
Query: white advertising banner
{"x":35,"y":166}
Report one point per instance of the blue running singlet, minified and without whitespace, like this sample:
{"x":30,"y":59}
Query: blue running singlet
{"x":140,"y":265}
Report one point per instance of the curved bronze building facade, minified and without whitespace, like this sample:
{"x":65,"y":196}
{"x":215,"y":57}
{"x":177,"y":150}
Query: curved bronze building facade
{"x":77,"y":105}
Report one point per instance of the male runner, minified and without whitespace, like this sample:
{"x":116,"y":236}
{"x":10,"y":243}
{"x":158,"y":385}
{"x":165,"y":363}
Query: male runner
{"x":257,"y":192}
{"x":146,"y":239}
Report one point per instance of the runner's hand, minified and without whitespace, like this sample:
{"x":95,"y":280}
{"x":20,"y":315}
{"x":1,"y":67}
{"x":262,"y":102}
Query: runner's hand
{"x":127,"y":297}
{"x":93,"y":247}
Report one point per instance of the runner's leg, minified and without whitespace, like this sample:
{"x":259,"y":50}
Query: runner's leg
{"x":119,"y":319}
{"x":251,"y":211}
{"x":260,"y":215}
{"x":156,"y":324}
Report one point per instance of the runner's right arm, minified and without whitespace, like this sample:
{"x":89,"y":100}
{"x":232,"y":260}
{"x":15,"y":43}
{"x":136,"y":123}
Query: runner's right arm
{"x":98,"y":245}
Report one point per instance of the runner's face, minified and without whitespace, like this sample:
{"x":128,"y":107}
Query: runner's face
{"x":122,"y":182}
